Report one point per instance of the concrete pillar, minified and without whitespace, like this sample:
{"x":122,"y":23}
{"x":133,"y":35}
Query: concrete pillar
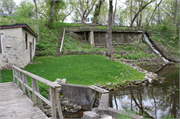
{"x":104,"y":101}
{"x":91,"y":37}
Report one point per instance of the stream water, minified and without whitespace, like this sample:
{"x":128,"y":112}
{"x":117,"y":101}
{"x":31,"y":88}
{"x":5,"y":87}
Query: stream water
{"x":155,"y":101}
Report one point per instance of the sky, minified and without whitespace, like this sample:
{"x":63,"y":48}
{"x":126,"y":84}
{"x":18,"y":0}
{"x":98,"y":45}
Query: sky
{"x":17,"y":1}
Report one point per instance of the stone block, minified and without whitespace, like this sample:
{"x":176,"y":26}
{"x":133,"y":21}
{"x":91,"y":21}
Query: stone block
{"x":90,"y":115}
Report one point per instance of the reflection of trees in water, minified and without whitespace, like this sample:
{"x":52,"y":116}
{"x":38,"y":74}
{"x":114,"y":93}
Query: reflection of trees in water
{"x":156,"y":95}
{"x":140,"y":104}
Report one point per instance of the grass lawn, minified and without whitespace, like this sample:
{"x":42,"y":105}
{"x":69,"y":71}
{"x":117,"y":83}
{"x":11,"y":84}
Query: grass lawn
{"x":79,"y":69}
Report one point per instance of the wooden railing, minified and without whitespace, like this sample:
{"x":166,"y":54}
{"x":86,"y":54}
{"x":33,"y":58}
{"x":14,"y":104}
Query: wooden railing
{"x":21,"y":77}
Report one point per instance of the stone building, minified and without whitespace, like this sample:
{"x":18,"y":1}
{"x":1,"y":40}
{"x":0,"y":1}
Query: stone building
{"x":17,"y":45}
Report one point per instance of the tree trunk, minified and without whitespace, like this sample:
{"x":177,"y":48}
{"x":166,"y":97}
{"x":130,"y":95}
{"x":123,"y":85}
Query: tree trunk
{"x":51,"y":14}
{"x":97,"y":11}
{"x":175,"y":16}
{"x":131,"y":11}
{"x":140,"y":19}
{"x":67,"y":15}
{"x":83,"y":20}
{"x":109,"y":33}
{"x":152,"y":16}
{"x":114,"y":15}
{"x":37,"y":19}
{"x":140,"y":10}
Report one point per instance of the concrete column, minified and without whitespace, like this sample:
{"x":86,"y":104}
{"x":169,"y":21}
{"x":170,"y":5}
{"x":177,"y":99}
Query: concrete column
{"x":91,"y":37}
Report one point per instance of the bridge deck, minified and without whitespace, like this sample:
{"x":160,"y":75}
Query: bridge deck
{"x":15,"y":105}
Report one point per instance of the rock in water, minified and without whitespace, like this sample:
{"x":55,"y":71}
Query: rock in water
{"x":106,"y":117}
{"x":90,"y":115}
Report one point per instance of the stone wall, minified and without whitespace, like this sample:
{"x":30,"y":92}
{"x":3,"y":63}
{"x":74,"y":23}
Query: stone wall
{"x":14,"y":50}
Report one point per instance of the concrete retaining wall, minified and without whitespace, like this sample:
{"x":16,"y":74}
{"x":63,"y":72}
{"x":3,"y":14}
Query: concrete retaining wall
{"x":78,"y":94}
{"x":98,"y":38}
{"x":117,"y":37}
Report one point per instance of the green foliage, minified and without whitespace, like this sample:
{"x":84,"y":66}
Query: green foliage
{"x":117,"y":56}
{"x":60,"y":25}
{"x":7,"y":6}
{"x":25,"y":9}
{"x":164,"y":34}
{"x":49,"y":39}
{"x":168,"y":117}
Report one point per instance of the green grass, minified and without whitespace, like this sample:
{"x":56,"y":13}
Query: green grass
{"x":78,"y":69}
{"x":6,"y":76}
{"x":81,"y":69}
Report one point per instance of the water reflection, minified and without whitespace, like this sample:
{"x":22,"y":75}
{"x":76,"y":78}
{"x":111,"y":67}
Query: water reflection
{"x":151,"y":101}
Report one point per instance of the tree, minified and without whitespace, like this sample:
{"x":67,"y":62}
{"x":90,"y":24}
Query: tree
{"x":76,"y":17}
{"x":114,"y":14}
{"x":150,"y":20}
{"x":109,"y":33}
{"x":141,"y":8}
{"x":97,"y":11}
{"x":175,"y":14}
{"x":103,"y":13}
{"x":25,"y":9}
{"x":7,"y":6}
{"x":54,"y":11}
{"x":36,"y":18}
{"x":83,"y":8}
{"x":51,"y":13}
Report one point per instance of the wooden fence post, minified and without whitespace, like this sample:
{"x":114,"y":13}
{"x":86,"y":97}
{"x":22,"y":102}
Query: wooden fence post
{"x":53,"y":103}
{"x":25,"y":78}
{"x":40,"y":102}
{"x":33,"y":89}
{"x":58,"y":105}
{"x":22,"y":85}
{"x":14,"y":80}
{"x":17,"y":75}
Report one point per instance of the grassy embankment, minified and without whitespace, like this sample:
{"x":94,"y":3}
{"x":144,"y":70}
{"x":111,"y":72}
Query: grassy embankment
{"x":78,"y":69}
{"x":49,"y":38}
{"x":164,"y":34}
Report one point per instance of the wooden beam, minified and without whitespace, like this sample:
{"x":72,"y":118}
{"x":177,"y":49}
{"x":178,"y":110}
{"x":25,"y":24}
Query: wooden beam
{"x":45,"y":81}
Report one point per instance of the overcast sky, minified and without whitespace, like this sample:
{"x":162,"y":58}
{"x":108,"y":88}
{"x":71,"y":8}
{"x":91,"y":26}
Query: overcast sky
{"x":17,"y":1}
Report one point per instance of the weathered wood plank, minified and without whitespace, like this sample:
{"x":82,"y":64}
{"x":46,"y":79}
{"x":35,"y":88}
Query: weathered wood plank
{"x":43,"y":98}
{"x":33,"y":90}
{"x":101,"y":90}
{"x":28,"y":87}
{"x":53,"y":103}
{"x":58,"y":105}
{"x":15,"y":105}
{"x":40,"y":102}
{"x":45,"y":81}
{"x":23,"y":82}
